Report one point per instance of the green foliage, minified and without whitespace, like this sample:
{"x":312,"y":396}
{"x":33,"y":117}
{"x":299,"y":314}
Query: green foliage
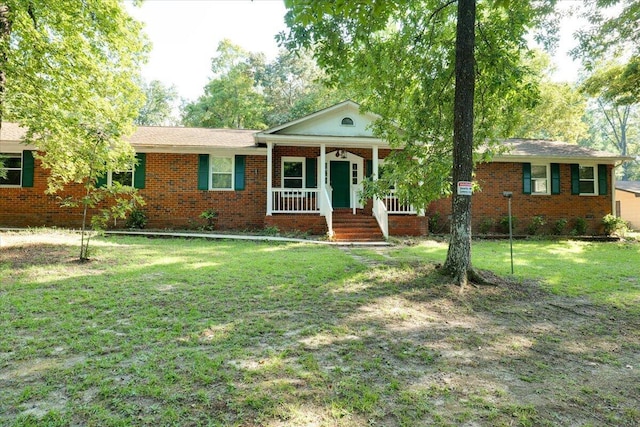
{"x":560,"y":226}
{"x":158,"y":104}
{"x":614,"y":225}
{"x":536,"y":224}
{"x":579,"y":226}
{"x":504,"y":224}
{"x":398,"y":59}
{"x":486,"y":225}
{"x":137,"y":218}
{"x":434,"y":222}
{"x":211,"y":218}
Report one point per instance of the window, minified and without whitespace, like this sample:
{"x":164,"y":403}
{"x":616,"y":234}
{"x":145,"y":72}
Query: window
{"x":122,"y":177}
{"x":354,"y":173}
{"x":587,"y":179}
{"x":13,"y":168}
{"x":222,"y":173}
{"x":293,"y":172}
{"x":539,"y":179}
{"x":347,"y":121}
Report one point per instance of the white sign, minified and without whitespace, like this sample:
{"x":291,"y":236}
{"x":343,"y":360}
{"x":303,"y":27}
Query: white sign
{"x":465,"y":188}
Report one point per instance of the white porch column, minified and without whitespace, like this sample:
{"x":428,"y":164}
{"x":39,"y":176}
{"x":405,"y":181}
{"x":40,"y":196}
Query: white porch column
{"x":375,"y":162}
{"x":269,"y":178}
{"x":323,"y":175}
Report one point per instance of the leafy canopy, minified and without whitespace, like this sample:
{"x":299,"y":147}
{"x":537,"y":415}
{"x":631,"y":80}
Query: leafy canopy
{"x":69,"y":77}
{"x":398,"y":56}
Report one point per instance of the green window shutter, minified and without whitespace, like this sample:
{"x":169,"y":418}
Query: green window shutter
{"x":203,"y":172}
{"x":555,"y":178}
{"x":240,"y":166}
{"x":575,"y":178}
{"x":602,"y":180}
{"x":369,"y":168}
{"x":139,"y":174}
{"x":311,"y":172}
{"x":101,"y":181}
{"x":526,"y":178}
{"x":28,"y":166}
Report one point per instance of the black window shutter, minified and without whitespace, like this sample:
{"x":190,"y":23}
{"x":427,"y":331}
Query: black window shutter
{"x":575,"y":178}
{"x":28,"y":166}
{"x":311,"y":172}
{"x":139,"y":174}
{"x":602,"y":180}
{"x":555,"y":178}
{"x":203,"y":172}
{"x":239,"y":170}
{"x":526,"y":178}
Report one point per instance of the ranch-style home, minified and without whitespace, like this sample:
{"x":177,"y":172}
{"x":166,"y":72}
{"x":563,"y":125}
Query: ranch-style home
{"x":306,"y":175}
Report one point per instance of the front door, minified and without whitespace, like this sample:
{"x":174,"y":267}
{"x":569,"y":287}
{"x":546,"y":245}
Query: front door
{"x":339,"y":173}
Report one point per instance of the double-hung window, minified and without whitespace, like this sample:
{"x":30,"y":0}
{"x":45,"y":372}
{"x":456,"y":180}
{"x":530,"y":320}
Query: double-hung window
{"x":122,"y":177}
{"x":221,"y":173}
{"x":12,"y":168}
{"x":587,"y":176}
{"x":539,"y":179}
{"x":293,"y":172}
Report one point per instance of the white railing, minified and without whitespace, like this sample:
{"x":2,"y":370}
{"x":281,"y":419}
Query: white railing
{"x":327,"y":211}
{"x":292,"y":200}
{"x":382,"y":216}
{"x":395,"y":206}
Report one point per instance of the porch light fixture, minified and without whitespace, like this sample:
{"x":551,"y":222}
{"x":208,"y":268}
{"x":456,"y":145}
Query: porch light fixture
{"x":508,"y":195}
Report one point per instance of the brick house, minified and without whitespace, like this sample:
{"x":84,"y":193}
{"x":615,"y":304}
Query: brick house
{"x":306,"y":175}
{"x":628,"y":202}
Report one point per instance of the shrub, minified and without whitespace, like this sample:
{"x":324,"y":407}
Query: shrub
{"x":211,"y":216}
{"x":614,"y":225}
{"x":487,"y":224}
{"x":136,"y":219}
{"x":559,"y":226}
{"x":504,"y":223}
{"x":434,"y":222}
{"x":537,"y":222}
{"x":580,"y":227}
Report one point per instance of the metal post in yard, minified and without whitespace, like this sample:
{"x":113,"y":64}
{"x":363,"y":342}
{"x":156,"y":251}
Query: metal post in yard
{"x":508,"y":195}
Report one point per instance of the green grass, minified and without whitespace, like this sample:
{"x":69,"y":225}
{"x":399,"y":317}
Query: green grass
{"x":605,"y":272}
{"x":233,"y":333}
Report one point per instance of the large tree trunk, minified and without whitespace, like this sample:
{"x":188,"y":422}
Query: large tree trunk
{"x":5,"y":33}
{"x":459,"y":255}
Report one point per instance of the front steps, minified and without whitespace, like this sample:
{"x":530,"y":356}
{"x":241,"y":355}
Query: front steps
{"x":360,"y":227}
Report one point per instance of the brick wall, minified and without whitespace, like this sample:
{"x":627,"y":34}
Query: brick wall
{"x":171,"y":194}
{"x":490,"y":204}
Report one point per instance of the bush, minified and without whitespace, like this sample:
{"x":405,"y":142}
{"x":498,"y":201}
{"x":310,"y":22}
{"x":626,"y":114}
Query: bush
{"x":487,"y":224}
{"x":504,"y":224}
{"x":614,"y":225}
{"x":537,"y":222}
{"x":580,"y":227}
{"x":136,"y":219}
{"x":211,"y":216}
{"x":559,"y":226}
{"x":434,"y":222}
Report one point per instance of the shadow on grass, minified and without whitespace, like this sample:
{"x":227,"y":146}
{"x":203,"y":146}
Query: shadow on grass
{"x":236,"y":333}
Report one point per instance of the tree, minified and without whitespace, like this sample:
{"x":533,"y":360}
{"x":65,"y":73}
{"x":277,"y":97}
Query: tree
{"x":399,"y":57}
{"x":230,"y":99}
{"x":158,"y":106}
{"x":612,"y":33}
{"x":558,"y":113}
{"x":294,"y":86}
{"x":68,"y":75}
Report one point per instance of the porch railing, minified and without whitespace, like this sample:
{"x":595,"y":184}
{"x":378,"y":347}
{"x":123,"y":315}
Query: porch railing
{"x":293,"y":200}
{"x":381,"y":215}
{"x":326,"y":210}
{"x":395,"y":206}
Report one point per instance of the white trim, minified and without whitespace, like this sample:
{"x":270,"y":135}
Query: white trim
{"x":15,"y":154}
{"x":596,"y":191}
{"x":233,"y":173}
{"x":547,"y":179}
{"x":293,"y":159}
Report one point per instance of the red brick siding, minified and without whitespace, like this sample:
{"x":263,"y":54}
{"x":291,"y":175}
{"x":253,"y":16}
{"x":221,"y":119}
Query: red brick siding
{"x":494,"y":178}
{"x":314,"y":224}
{"x":408,"y":225}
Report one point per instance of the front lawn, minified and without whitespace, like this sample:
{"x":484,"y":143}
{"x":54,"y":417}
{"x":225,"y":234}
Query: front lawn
{"x":191,"y":332}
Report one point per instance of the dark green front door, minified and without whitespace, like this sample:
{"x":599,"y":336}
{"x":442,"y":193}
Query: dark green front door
{"x":339,"y":173}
